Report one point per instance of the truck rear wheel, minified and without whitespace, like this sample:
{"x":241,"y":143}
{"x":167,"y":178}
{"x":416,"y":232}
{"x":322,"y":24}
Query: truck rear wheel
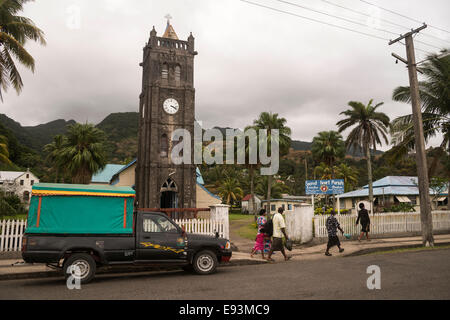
{"x":205,"y":262}
{"x":80,"y":266}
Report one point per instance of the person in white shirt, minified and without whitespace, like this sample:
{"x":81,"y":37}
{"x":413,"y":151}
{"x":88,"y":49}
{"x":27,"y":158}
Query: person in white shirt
{"x":279,"y":229}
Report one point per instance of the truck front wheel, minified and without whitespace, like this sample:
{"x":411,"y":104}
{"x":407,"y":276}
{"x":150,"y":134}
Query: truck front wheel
{"x":205,"y":262}
{"x":80,"y":266}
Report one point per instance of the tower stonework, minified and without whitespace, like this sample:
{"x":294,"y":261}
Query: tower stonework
{"x":167,"y":103}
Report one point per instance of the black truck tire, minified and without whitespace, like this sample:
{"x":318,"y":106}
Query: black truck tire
{"x":84,"y":263}
{"x":205,"y":262}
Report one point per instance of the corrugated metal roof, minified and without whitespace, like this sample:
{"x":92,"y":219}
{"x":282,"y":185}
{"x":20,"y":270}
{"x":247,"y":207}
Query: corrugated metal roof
{"x":81,"y":187}
{"x":107,"y":173}
{"x":390,"y":185}
{"x":10,"y":175}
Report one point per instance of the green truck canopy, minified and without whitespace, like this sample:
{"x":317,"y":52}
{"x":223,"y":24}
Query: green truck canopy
{"x":80,"y":209}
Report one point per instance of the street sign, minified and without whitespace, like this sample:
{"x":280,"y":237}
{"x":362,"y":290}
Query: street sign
{"x":334,"y":186}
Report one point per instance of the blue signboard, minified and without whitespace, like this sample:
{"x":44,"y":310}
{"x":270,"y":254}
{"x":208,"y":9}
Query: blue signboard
{"x":335,"y":186}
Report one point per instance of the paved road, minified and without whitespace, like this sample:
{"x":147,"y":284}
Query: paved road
{"x":411,"y":275}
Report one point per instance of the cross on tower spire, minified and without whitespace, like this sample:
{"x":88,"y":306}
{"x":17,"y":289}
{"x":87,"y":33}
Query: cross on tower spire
{"x":170,"y":32}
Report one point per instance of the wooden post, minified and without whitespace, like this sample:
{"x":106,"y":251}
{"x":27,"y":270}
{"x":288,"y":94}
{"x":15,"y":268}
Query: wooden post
{"x":422,"y":169}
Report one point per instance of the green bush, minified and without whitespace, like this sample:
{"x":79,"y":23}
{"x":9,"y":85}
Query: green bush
{"x":401,"y":207}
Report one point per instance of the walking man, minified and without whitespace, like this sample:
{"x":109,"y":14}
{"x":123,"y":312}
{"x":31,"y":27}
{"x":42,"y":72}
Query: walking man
{"x":332,"y":227}
{"x":279,"y":229}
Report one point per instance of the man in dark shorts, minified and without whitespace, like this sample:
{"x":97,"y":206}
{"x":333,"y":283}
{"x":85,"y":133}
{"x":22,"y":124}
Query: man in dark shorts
{"x":279,"y":229}
{"x":363,"y":217}
{"x":332,"y":227}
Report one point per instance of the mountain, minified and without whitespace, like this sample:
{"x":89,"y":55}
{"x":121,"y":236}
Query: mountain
{"x":35,"y":137}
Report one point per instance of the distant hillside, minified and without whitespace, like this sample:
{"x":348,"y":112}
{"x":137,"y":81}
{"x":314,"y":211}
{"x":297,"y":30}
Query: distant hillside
{"x":122,"y":132}
{"x":35,"y":137}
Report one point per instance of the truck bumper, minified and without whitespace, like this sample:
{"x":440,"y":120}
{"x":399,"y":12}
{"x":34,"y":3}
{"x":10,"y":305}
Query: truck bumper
{"x":40,"y":257}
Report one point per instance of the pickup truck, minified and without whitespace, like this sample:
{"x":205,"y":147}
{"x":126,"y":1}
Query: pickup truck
{"x":84,"y":243}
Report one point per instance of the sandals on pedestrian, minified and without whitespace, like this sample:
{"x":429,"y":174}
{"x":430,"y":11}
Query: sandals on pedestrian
{"x":270,"y":260}
{"x":287,"y":258}
{"x":341,"y":250}
{"x":328,"y":254}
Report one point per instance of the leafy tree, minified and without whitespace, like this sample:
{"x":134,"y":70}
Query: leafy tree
{"x":15,"y":30}
{"x":434,"y":94}
{"x":270,"y":121}
{"x":349,"y":174}
{"x":327,"y":147}
{"x":369,"y":127}
{"x":83,"y":152}
{"x":276,"y":190}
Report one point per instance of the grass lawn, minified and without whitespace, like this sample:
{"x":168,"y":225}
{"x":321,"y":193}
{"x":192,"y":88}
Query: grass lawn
{"x":246,"y":225}
{"x":436,"y":247}
{"x":16,"y":217}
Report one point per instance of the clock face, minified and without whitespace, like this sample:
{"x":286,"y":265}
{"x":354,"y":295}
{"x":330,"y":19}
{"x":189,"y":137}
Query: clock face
{"x":171,"y":106}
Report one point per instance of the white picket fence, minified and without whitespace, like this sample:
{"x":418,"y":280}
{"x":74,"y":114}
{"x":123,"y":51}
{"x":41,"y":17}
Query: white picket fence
{"x":384,"y":223}
{"x":11,"y":231}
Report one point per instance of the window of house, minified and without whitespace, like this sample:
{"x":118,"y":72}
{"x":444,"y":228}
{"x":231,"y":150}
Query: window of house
{"x":28,"y":176}
{"x":413,"y":199}
{"x":26,"y":196}
{"x":283,"y":206}
{"x":272,"y":207}
{"x":21,"y":182}
{"x":32,"y":182}
{"x":289,"y":206}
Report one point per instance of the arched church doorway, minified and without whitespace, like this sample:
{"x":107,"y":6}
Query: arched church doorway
{"x":169,"y":195}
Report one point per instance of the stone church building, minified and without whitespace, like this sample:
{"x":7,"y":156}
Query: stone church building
{"x":167,"y":103}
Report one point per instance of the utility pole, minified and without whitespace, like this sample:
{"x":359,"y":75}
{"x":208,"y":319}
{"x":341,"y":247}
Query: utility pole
{"x":422,"y":168}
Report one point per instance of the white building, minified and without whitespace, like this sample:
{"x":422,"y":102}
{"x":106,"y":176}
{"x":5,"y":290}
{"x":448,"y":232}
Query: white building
{"x":19,"y":183}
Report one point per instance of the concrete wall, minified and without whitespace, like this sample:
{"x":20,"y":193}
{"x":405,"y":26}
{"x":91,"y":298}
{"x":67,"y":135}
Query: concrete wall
{"x":299,"y":223}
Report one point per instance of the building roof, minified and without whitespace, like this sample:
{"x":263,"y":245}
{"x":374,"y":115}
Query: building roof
{"x":170,"y":32}
{"x":10,"y":175}
{"x":107,"y":173}
{"x":247,"y":197}
{"x":390,"y":185}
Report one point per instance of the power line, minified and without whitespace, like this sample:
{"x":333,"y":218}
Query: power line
{"x":381,"y":19}
{"x":401,"y":15}
{"x":337,"y":17}
{"x":315,"y":20}
{"x":351,"y":21}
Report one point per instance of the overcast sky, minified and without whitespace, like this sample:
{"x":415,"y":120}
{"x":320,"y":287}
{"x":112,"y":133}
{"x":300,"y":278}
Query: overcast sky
{"x":250,"y":60}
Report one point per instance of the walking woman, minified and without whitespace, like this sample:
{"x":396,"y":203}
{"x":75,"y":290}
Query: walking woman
{"x":363,"y":217}
{"x":260,"y":237}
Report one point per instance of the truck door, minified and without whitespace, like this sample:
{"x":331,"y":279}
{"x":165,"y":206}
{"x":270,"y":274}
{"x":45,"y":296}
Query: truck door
{"x":159,"y":239}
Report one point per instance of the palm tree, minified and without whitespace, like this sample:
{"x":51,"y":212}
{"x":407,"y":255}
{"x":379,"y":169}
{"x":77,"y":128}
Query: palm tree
{"x":230,"y":190}
{"x":270,"y":121}
{"x":4,"y":153}
{"x":83,"y":153}
{"x":348,"y":174}
{"x":435,"y":97}
{"x":14,"y":32}
{"x":323,"y":171}
{"x":262,"y":188}
{"x":53,"y":151}
{"x":370,"y":127}
{"x":328,"y":146}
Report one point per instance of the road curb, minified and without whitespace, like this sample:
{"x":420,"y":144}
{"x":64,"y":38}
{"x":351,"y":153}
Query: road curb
{"x":115,"y":270}
{"x":388,"y":248}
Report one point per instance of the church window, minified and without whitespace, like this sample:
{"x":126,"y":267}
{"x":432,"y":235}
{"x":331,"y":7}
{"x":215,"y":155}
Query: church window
{"x":164,"y":145}
{"x":165,"y":72}
{"x":169,"y":185}
{"x":177,"y":75}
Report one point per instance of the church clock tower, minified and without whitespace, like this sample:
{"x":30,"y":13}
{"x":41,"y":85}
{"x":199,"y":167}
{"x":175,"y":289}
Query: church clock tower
{"x":167,"y":103}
